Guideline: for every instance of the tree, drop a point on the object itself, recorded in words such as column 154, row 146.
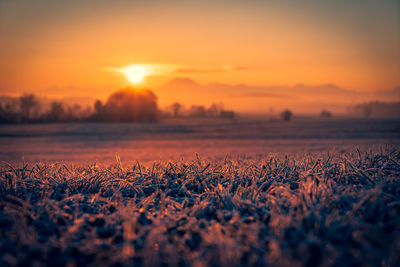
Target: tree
column 326, row 114
column 98, row 106
column 227, row 114
column 9, row 112
column 215, row 109
column 73, row 113
column 27, row 102
column 367, row 111
column 286, row 115
column 56, row 112
column 176, row 109
column 128, row 105
column 197, row 111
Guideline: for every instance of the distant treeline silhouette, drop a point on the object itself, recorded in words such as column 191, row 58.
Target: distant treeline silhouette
column 27, row 108
column 215, row 110
column 130, row 105
column 376, row 110
column 126, row 105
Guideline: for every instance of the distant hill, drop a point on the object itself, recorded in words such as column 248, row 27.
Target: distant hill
column 393, row 94
column 242, row 97
column 301, row 98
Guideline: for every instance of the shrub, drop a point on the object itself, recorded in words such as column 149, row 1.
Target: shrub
column 286, row 115
column 326, row 114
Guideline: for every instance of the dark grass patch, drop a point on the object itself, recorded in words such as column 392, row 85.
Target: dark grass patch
column 327, row 210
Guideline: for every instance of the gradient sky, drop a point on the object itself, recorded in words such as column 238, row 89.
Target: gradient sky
column 48, row 45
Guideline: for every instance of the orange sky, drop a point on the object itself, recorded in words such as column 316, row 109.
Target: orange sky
column 47, row 46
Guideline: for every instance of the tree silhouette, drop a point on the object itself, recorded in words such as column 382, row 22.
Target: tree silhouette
column 98, row 106
column 128, row 105
column 197, row 111
column 26, row 103
column 56, row 112
column 214, row 110
column 376, row 109
column 286, row 115
column 326, row 114
column 227, row 114
column 176, row 109
column 74, row 113
column 367, row 111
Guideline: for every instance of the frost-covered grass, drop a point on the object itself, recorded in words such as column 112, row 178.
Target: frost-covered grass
column 327, row 209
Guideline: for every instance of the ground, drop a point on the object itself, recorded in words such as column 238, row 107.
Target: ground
column 334, row 200
column 86, row 143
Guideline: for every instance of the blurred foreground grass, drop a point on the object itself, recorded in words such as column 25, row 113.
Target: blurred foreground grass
column 324, row 209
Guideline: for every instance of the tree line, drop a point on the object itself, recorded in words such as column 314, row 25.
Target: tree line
column 125, row 105
column 215, row 110
column 376, row 109
column 129, row 105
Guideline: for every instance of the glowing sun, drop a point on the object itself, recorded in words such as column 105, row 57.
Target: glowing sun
column 135, row 73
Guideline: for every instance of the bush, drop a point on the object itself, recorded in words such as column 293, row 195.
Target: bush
column 286, row 115
column 326, row 114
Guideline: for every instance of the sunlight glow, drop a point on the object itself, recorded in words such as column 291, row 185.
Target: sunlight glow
column 136, row 73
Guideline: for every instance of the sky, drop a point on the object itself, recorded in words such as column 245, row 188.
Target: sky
column 75, row 48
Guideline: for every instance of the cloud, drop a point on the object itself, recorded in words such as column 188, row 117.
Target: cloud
column 158, row 69
column 225, row 68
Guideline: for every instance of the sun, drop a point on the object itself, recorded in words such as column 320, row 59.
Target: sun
column 135, row 73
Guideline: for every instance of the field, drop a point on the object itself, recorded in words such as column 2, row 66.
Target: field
column 244, row 193
column 86, row 143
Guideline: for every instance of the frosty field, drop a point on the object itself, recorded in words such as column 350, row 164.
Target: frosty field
column 175, row 139
column 322, row 210
column 201, row 193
